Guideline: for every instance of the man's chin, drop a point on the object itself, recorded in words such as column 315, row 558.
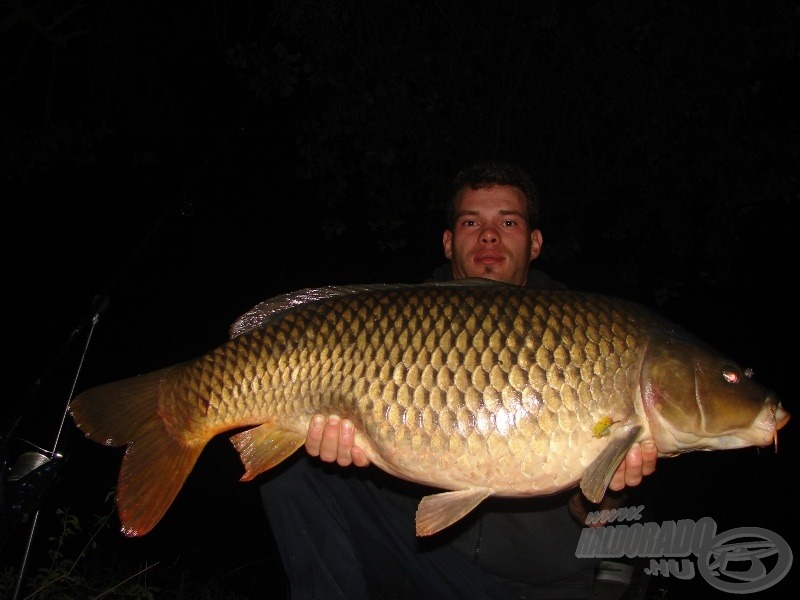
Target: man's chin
column 494, row 272
column 490, row 272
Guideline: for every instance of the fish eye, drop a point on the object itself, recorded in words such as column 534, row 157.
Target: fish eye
column 730, row 374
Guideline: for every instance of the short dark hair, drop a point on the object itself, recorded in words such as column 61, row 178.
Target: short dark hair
column 484, row 175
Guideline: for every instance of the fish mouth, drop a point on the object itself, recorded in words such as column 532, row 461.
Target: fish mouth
column 764, row 430
column 781, row 417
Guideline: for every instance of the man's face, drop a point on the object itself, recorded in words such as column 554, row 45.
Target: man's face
column 491, row 237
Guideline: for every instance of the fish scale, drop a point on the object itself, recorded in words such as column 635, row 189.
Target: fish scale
column 475, row 387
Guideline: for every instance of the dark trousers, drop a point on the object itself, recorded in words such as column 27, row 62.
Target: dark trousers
column 341, row 536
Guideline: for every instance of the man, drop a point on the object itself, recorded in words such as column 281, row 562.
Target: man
column 350, row 536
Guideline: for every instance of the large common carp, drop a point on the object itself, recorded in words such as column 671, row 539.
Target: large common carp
column 475, row 387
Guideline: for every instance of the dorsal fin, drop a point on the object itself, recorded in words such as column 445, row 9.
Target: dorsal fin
column 257, row 316
column 261, row 313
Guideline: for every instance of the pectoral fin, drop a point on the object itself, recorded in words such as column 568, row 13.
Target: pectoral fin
column 438, row 511
column 263, row 447
column 597, row 477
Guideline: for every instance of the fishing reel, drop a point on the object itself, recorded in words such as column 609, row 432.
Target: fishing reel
column 24, row 485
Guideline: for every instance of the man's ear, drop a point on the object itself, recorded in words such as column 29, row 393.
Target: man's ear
column 447, row 243
column 536, row 243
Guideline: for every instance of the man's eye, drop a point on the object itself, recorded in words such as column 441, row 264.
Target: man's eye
column 469, row 223
column 509, row 223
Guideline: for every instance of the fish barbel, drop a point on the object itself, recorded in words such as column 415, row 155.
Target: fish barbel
column 474, row 387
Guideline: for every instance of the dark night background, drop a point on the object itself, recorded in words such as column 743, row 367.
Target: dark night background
column 190, row 159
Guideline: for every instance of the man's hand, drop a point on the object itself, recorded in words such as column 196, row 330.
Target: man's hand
column 332, row 441
column 640, row 461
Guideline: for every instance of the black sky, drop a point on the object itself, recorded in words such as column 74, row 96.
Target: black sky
column 146, row 159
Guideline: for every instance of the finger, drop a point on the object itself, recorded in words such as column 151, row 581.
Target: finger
column 629, row 472
column 314, row 435
column 359, row 457
column 346, row 435
column 649, row 456
column 618, row 480
column 330, row 439
column 633, row 465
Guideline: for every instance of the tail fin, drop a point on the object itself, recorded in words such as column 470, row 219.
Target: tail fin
column 156, row 464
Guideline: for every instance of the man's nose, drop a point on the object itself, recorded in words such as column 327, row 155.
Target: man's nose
column 489, row 236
